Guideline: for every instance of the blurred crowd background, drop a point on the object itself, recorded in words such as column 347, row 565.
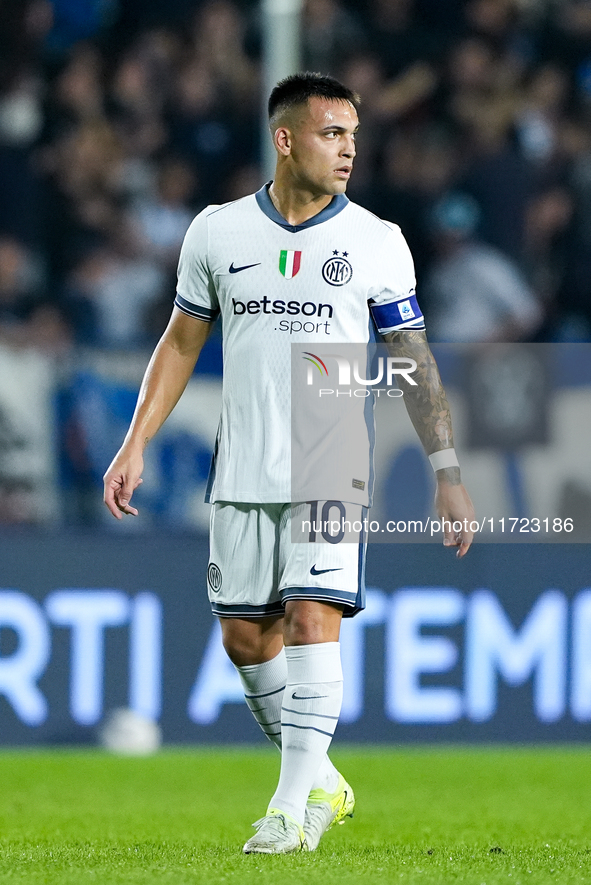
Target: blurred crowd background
column 121, row 119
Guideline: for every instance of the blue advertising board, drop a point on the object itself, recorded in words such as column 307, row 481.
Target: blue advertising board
column 495, row 647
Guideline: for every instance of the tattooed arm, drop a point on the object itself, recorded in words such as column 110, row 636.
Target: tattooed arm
column 428, row 409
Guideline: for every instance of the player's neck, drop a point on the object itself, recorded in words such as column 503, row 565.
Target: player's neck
column 295, row 205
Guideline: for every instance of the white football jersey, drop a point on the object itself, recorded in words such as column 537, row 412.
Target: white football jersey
column 335, row 279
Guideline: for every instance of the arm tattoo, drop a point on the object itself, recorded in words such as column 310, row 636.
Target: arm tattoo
column 426, row 403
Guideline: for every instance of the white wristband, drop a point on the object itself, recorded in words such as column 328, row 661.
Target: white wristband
column 444, row 458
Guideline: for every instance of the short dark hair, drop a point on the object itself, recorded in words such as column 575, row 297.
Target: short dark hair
column 298, row 88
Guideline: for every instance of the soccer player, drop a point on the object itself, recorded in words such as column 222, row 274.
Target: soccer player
column 297, row 261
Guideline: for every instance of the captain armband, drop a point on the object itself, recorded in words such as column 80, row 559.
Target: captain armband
column 402, row 314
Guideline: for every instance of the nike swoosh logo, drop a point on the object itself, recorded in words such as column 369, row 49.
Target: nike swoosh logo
column 244, row 267
column 309, row 697
column 322, row 571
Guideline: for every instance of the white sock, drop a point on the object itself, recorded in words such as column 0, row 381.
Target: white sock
column 311, row 707
column 327, row 777
column 263, row 686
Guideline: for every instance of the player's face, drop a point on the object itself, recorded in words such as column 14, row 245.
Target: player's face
column 323, row 146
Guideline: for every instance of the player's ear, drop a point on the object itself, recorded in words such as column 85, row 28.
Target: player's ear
column 282, row 140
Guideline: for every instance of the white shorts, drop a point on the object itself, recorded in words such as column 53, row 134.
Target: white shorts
column 255, row 565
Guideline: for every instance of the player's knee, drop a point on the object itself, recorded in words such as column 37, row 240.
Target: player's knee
column 238, row 648
column 246, row 643
column 307, row 623
column 301, row 633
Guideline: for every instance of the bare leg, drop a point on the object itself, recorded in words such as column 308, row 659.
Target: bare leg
column 255, row 647
column 252, row 641
column 308, row 622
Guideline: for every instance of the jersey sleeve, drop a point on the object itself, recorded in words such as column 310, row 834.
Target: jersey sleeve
column 393, row 301
column 196, row 295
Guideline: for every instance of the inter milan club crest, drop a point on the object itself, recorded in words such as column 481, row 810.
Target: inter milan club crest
column 289, row 263
column 337, row 270
column 214, row 577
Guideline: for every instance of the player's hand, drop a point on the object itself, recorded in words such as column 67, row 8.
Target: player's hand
column 453, row 504
column 120, row 482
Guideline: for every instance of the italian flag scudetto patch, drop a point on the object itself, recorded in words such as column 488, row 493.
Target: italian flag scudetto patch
column 289, row 263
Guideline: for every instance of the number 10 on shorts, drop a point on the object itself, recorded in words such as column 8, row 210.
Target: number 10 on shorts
column 331, row 522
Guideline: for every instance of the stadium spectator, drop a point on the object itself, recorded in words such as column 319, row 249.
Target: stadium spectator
column 161, row 220
column 21, row 284
column 493, row 95
column 330, row 33
column 112, row 289
column 474, row 292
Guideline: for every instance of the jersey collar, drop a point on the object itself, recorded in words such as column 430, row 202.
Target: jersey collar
column 336, row 205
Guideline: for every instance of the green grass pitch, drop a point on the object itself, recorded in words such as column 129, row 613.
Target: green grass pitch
column 424, row 815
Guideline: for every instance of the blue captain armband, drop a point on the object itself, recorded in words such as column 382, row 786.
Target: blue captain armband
column 402, row 314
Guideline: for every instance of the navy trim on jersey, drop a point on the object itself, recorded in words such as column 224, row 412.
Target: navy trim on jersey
column 336, row 205
column 196, row 310
column 212, row 465
column 404, row 313
column 247, row 611
column 353, row 602
column 361, row 568
column 369, row 417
